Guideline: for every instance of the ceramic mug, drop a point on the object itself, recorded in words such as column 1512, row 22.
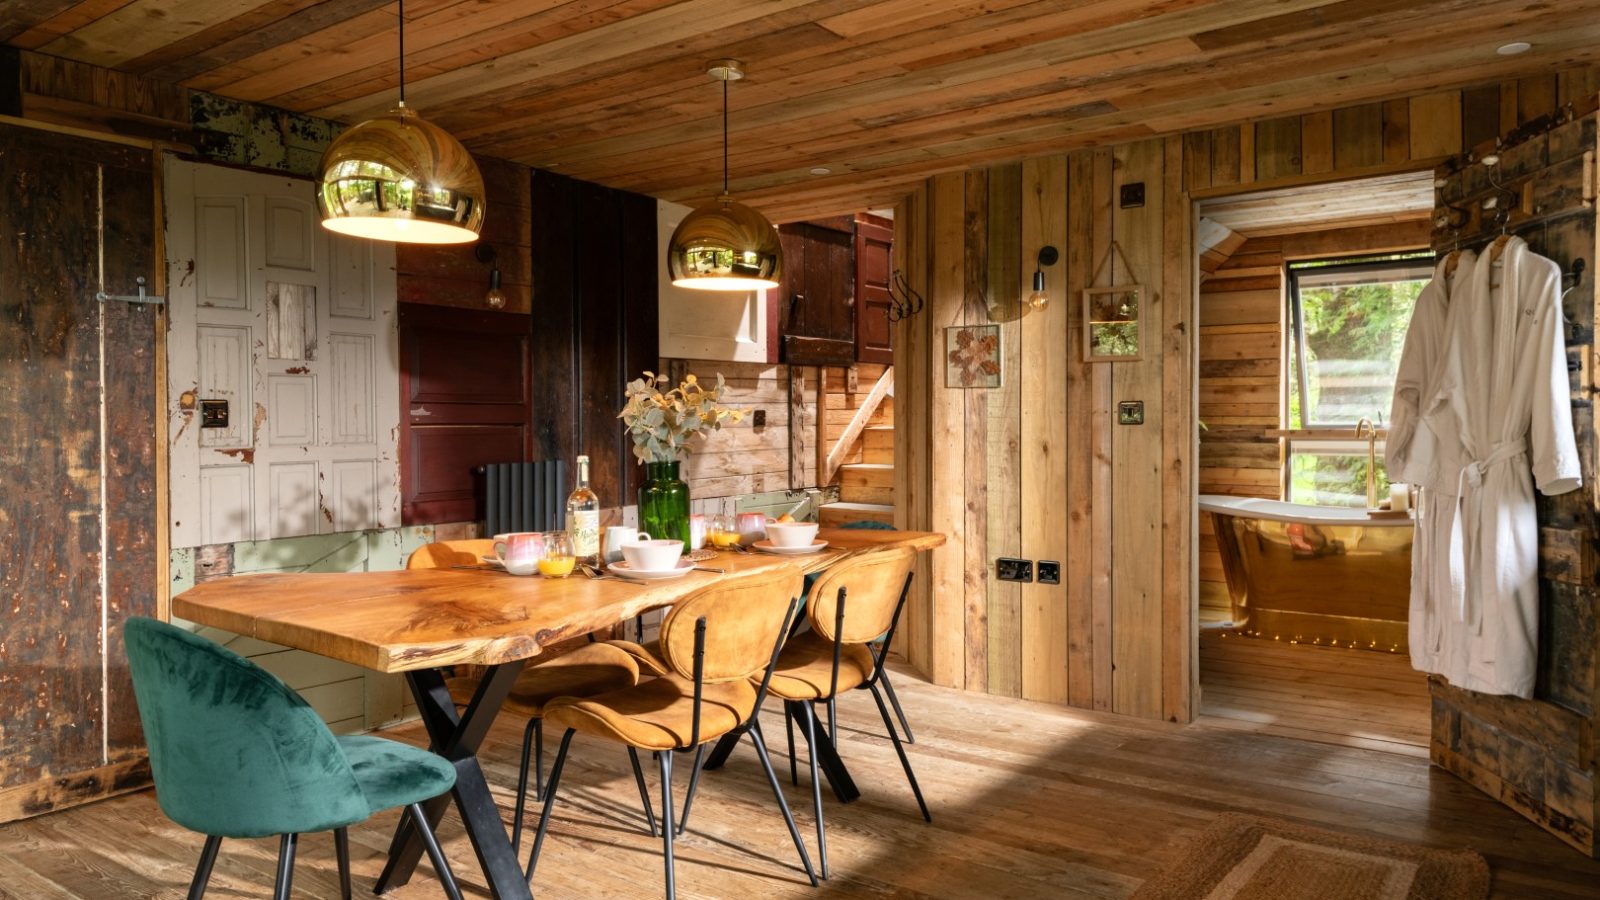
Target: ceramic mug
column 698, row 529
column 752, row 527
column 615, row 537
column 646, row 555
column 519, row 551
column 792, row 534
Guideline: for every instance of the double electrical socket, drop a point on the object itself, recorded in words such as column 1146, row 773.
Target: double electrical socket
column 1021, row 570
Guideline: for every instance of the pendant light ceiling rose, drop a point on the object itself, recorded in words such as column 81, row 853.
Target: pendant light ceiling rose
column 725, row 245
column 399, row 177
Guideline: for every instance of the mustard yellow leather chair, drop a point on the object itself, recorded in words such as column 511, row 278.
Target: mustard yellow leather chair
column 718, row 646
column 592, row 668
column 853, row 610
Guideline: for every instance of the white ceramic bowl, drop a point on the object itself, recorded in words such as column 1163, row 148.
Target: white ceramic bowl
column 652, row 556
column 792, row 534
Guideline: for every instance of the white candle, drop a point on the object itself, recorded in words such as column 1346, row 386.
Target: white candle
column 1399, row 497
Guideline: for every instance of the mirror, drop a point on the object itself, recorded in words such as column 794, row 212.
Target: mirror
column 1113, row 317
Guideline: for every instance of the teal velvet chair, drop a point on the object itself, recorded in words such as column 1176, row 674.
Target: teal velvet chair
column 235, row 753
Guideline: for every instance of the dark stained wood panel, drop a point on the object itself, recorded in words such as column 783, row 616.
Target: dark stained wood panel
column 77, row 423
column 883, row 92
column 594, row 323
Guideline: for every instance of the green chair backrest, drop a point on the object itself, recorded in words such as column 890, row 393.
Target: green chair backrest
column 234, row 751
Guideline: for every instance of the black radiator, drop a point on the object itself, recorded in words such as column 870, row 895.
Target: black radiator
column 525, row 496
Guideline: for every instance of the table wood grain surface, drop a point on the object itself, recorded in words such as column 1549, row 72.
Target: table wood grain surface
column 417, row 619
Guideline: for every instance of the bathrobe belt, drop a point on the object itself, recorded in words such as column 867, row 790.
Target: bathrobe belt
column 1468, row 606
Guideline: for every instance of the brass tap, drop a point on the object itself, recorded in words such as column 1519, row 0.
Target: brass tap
column 1365, row 429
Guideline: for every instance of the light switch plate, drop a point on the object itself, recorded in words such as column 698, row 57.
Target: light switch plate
column 1130, row 412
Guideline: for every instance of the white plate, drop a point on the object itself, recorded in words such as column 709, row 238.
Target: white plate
column 626, row 571
column 770, row 547
column 493, row 561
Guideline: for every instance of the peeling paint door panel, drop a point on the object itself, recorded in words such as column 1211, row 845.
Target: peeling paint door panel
column 294, row 328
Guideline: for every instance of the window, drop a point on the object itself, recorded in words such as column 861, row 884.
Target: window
column 1347, row 322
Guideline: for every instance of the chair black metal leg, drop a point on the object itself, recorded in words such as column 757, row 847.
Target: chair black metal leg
column 549, row 802
column 888, row 688
column 694, row 782
column 794, row 765
column 899, row 748
column 816, row 786
column 783, row 805
column 341, row 850
column 447, row 878
column 644, row 794
column 538, row 759
column 665, row 759
column 833, row 719
column 285, row 881
column 202, row 871
column 522, row 787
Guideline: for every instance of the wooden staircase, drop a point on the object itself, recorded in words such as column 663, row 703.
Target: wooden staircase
column 866, row 480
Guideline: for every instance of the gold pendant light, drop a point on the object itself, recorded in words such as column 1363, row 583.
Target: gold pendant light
column 723, row 245
column 401, row 178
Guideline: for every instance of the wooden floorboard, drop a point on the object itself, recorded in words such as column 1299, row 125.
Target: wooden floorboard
column 1028, row 799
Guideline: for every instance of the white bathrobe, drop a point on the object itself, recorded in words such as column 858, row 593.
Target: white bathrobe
column 1413, row 454
column 1501, row 393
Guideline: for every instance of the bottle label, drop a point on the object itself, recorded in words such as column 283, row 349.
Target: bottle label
column 585, row 529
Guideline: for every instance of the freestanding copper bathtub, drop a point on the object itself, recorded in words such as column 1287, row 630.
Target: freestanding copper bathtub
column 1314, row 574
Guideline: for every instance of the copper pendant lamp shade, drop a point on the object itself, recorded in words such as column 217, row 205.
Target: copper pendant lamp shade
column 724, row 245
column 399, row 177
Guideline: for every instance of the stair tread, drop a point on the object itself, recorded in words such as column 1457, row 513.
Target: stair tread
column 877, row 467
column 879, row 428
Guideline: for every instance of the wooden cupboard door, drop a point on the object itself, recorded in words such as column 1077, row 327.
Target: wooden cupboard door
column 294, row 328
column 466, row 381
column 78, row 484
column 874, row 269
column 818, row 294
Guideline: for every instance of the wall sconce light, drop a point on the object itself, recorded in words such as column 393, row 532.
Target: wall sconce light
column 495, row 297
column 1048, row 256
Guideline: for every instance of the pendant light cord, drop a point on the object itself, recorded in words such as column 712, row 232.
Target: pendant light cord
column 725, row 136
column 402, row 16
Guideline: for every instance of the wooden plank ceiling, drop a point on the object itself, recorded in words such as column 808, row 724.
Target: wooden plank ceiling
column 882, row 93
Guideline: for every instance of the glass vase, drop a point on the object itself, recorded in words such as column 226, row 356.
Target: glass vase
column 664, row 503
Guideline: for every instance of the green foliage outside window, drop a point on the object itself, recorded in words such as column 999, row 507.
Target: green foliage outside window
column 1354, row 330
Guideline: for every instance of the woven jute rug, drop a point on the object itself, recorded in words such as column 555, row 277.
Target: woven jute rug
column 1243, row 857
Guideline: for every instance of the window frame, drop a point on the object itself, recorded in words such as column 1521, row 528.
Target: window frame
column 1335, row 265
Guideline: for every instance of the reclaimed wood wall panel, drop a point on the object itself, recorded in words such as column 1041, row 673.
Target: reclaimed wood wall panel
column 1009, row 281
column 77, row 422
column 743, row 458
column 1537, row 755
column 1056, row 480
column 1044, row 428
column 914, row 360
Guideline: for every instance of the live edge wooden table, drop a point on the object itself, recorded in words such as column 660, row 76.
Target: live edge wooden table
column 417, row 622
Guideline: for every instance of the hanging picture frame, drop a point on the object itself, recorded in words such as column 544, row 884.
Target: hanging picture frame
column 1113, row 319
column 972, row 356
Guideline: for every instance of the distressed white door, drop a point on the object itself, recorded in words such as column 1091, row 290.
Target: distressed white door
column 294, row 329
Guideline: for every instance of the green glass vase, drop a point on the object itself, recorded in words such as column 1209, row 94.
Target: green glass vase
column 664, row 503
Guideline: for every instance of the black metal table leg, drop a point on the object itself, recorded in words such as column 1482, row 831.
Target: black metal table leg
column 457, row 738
column 844, row 787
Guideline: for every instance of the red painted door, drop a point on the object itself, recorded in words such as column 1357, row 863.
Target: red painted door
column 874, row 269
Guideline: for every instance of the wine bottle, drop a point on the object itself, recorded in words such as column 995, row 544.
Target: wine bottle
column 583, row 518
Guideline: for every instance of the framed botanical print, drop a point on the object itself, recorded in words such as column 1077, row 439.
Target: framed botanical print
column 972, row 356
column 1113, row 320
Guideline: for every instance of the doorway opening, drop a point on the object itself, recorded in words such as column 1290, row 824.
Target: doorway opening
column 1305, row 297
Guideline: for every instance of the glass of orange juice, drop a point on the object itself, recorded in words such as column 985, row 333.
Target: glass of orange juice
column 558, row 559
column 724, row 533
